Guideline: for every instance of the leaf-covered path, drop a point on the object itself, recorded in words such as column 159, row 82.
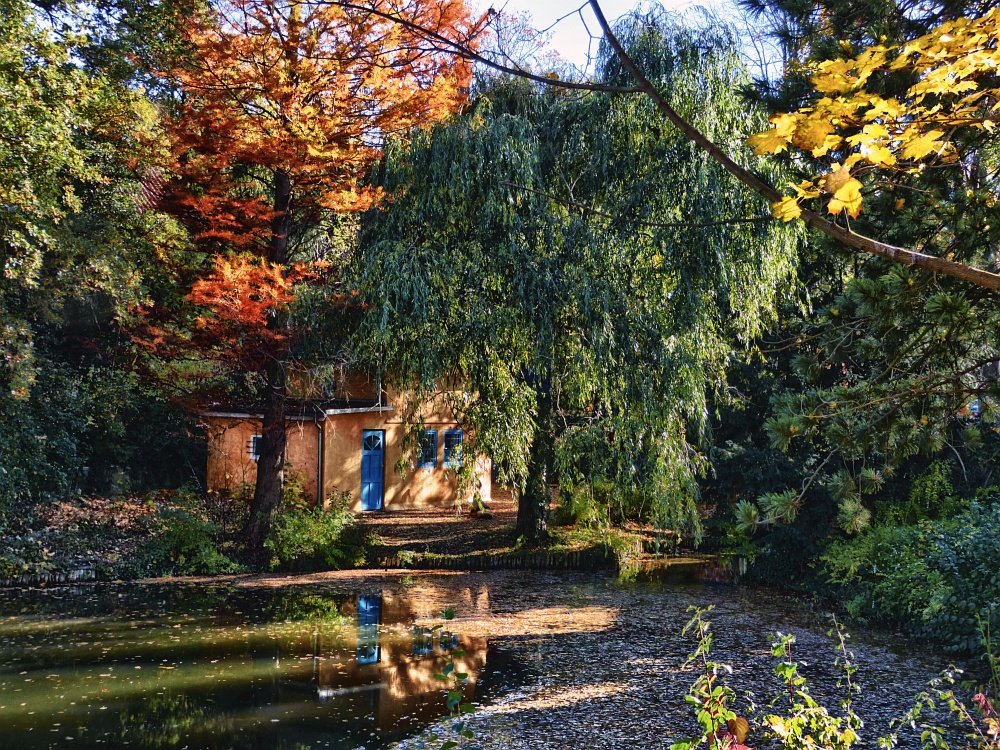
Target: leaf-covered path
column 442, row 531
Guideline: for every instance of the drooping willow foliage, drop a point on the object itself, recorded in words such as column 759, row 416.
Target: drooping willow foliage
column 582, row 269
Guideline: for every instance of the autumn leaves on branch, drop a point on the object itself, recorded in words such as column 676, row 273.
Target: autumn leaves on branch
column 284, row 108
column 859, row 131
column 307, row 90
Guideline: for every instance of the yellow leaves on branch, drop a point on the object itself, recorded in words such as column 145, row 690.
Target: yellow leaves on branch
column 846, row 191
column 862, row 132
column 786, row 209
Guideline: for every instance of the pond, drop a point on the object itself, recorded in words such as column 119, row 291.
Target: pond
column 347, row 660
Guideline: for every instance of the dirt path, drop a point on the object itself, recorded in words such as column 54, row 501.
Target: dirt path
column 442, row 531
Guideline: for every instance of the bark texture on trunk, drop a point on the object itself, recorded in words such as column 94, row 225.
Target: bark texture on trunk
column 533, row 502
column 268, row 491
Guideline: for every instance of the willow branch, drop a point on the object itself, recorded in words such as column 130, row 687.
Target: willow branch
column 849, row 238
column 640, row 222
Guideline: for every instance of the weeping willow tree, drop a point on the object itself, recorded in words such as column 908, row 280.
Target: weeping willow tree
column 584, row 271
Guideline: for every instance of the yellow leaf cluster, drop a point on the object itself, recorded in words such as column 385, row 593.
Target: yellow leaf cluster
column 954, row 66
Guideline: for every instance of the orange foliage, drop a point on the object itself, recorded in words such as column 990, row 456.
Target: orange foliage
column 237, row 299
column 307, row 89
column 298, row 93
column 241, row 293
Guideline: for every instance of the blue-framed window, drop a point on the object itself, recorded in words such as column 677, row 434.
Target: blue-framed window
column 453, row 440
column 428, row 450
column 256, row 443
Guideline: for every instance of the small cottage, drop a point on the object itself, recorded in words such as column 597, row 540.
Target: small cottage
column 353, row 443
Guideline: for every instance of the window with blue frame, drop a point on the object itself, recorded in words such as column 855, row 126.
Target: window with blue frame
column 453, row 448
column 428, row 450
column 256, row 443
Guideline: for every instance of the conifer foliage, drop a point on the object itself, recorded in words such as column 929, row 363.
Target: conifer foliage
column 285, row 105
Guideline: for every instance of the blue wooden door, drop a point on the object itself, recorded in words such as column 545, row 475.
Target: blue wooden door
column 372, row 469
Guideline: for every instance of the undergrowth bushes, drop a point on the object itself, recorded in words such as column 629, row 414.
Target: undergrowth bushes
column 184, row 540
column 941, row 577
column 180, row 532
column 303, row 538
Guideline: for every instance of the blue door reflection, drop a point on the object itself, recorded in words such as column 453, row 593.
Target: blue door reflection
column 369, row 618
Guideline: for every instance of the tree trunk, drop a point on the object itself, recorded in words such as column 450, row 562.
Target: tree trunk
column 532, row 505
column 269, row 489
column 281, row 222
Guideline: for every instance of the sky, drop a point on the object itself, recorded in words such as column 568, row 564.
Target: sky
column 570, row 37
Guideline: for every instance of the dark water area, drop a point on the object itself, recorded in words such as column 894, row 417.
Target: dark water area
column 206, row 666
column 348, row 661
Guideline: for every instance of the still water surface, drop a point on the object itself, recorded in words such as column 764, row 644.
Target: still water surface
column 344, row 662
column 219, row 667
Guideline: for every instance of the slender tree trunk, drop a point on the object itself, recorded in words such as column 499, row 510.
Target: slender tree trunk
column 281, row 222
column 532, row 505
column 269, row 489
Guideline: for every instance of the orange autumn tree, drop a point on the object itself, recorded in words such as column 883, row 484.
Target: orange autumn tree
column 283, row 107
column 237, row 300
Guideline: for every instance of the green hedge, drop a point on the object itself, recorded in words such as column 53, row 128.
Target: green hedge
column 942, row 577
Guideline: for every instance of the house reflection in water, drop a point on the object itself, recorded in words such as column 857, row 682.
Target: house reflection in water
column 369, row 618
column 423, row 641
column 387, row 673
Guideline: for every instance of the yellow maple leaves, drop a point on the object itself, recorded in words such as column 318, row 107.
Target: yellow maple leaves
column 861, row 132
column 846, row 192
column 786, row 209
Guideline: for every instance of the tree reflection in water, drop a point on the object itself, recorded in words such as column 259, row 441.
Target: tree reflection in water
column 267, row 670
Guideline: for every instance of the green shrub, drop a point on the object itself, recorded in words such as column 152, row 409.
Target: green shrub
column 183, row 541
column 602, row 503
column 931, row 496
column 307, row 539
column 941, row 577
column 29, row 554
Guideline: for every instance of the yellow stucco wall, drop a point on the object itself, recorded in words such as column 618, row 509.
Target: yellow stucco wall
column 230, row 465
column 415, row 488
column 229, row 462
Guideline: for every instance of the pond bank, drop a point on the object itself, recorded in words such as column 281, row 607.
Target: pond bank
column 346, row 659
column 620, row 681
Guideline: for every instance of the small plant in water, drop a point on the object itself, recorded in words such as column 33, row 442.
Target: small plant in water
column 457, row 707
column 808, row 725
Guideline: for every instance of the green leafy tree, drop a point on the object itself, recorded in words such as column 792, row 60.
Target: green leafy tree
column 79, row 249
column 71, row 150
column 580, row 271
column 891, row 364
